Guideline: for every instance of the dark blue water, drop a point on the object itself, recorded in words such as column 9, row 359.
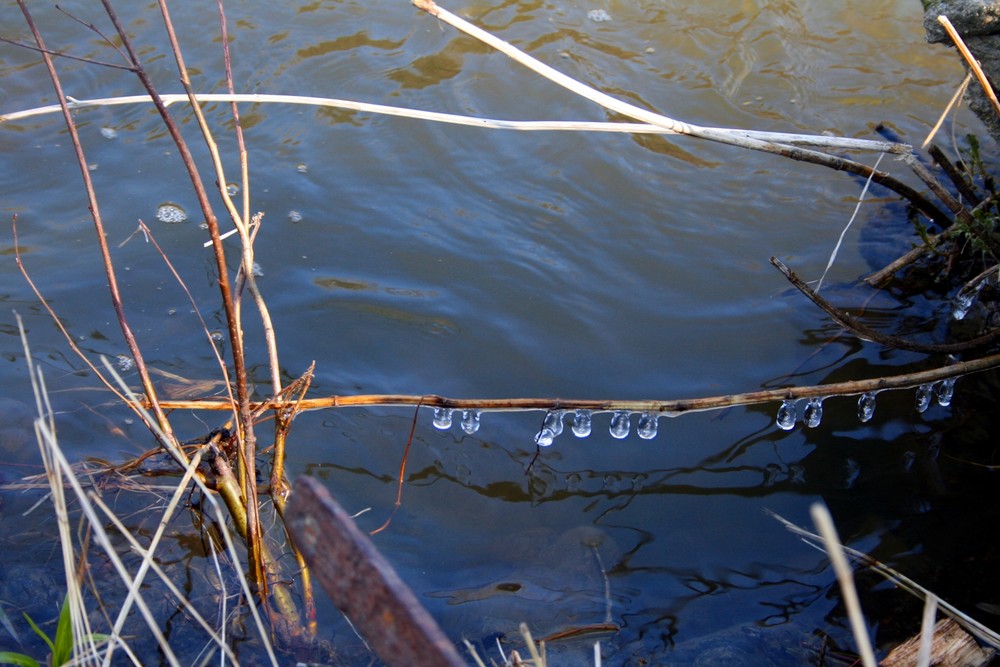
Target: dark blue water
column 409, row 257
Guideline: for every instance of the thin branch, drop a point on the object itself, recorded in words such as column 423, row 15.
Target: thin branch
column 845, row 143
column 669, row 407
column 116, row 299
column 68, row 56
column 867, row 333
column 972, row 62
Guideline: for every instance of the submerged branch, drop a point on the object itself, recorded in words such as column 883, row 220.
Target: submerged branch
column 867, row 333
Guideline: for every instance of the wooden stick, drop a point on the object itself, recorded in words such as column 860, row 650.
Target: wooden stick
column 846, row 143
column 669, row 407
column 972, row 62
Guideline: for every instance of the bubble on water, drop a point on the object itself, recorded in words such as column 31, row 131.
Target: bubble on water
column 620, row 424
column 232, row 189
column 442, row 418
column 924, row 393
column 302, row 167
column 944, row 391
column 646, row 428
column 125, row 363
column 866, row 406
column 813, row 413
column 554, row 422
column 470, row 421
column 217, row 336
column 294, row 216
column 598, row 15
column 170, row 213
column 786, row 415
column 109, row 133
column 582, row 423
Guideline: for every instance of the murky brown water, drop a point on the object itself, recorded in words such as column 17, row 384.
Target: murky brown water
column 409, row 257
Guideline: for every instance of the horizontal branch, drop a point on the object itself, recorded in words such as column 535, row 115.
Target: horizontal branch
column 668, row 408
column 845, row 143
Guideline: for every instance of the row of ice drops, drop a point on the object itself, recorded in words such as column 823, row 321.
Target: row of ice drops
column 552, row 425
column 942, row 392
column 621, row 424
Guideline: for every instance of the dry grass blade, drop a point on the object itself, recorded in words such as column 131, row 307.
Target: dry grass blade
column 971, row 61
column 983, row 633
column 824, row 523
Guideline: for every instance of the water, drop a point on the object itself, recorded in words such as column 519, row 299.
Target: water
column 407, row 257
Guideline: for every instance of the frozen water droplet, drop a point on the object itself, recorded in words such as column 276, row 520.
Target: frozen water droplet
column 170, row 213
column 786, row 415
column 554, row 422
column 924, row 394
column 944, row 392
column 125, row 363
column 442, row 418
column 582, row 423
column 964, row 300
column 470, row 421
column 544, row 438
column 109, row 133
column 620, row 424
column 646, row 428
column 598, row 15
column 813, row 414
column 866, row 406
column 294, row 216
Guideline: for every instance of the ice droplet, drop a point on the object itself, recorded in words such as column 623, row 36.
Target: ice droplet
column 582, row 423
column 646, row 428
column 944, row 392
column 470, row 421
column 620, row 424
column 553, row 422
column 866, row 406
column 442, row 418
column 964, row 299
column 924, row 394
column 544, row 438
column 786, row 415
column 170, row 213
column 813, row 414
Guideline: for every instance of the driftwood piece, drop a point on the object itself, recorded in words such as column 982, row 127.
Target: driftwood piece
column 952, row 647
column 362, row 583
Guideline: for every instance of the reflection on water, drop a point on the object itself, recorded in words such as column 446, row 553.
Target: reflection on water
column 408, row 257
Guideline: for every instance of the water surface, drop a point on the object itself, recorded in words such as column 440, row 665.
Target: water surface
column 410, row 257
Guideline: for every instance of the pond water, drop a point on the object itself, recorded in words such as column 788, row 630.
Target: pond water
column 405, row 256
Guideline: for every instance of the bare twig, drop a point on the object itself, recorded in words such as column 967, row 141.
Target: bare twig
column 667, row 407
column 867, row 333
column 116, row 299
column 971, row 61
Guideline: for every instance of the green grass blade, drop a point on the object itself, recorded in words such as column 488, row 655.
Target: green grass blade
column 11, row 658
column 38, row 631
column 62, row 652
